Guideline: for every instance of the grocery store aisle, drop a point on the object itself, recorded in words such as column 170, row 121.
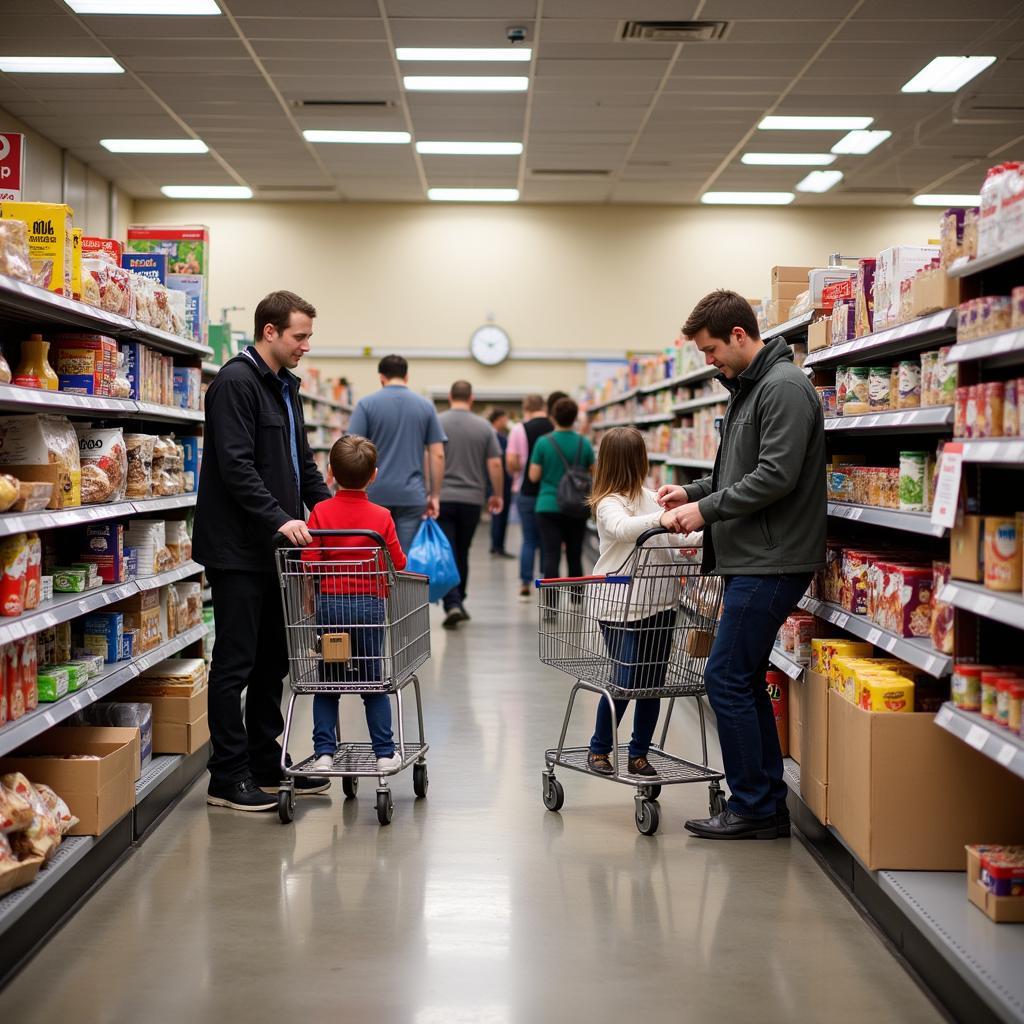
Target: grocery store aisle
column 476, row 906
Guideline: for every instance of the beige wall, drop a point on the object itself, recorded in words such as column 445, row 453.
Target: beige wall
column 598, row 280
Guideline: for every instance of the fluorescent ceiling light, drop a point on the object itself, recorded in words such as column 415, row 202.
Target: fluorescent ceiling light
column 779, row 123
column 819, row 181
column 747, row 198
column 365, row 138
column 207, row 192
column 143, row 6
column 858, row 143
column 470, row 148
column 154, row 145
column 61, row 65
column 473, row 195
column 788, row 159
column 466, row 83
column 947, row 74
column 461, row 53
column 947, row 200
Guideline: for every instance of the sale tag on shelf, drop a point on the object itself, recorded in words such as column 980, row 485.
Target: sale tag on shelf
column 947, row 492
column 1006, row 754
column 976, row 737
column 874, row 635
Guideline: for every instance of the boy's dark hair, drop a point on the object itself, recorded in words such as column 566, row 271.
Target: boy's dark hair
column 553, row 399
column 353, row 460
column 495, row 414
column 276, row 309
column 565, row 412
column 720, row 311
column 393, row 367
column 461, row 391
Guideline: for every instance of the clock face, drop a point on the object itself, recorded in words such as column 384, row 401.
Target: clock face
column 490, row 345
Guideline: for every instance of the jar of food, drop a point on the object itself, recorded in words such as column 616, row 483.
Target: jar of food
column 960, row 412
column 858, row 390
column 976, row 426
column 927, row 378
column 879, row 379
column 1003, row 687
column 989, row 694
column 1016, row 705
column 1011, row 421
column 966, row 686
column 908, row 373
column 993, row 402
column 34, row 370
column 1002, row 554
column 913, row 482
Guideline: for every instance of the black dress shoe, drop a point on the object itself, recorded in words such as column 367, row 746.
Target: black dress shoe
column 308, row 785
column 243, row 795
column 731, row 826
column 641, row 766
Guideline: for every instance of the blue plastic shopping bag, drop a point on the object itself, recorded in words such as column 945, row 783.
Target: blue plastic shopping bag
column 432, row 555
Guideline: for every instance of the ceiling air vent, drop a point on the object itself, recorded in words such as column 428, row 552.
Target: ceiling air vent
column 673, row 31
column 555, row 172
column 347, row 104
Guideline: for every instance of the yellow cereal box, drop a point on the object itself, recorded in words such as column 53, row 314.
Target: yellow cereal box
column 828, row 649
column 76, row 263
column 50, row 244
column 890, row 693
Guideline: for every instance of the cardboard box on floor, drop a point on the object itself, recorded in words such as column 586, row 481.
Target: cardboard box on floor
column 180, row 724
column 1002, row 909
column 814, row 745
column 907, row 795
column 98, row 792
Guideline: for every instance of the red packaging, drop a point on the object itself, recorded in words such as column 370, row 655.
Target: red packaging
column 778, row 691
column 29, row 671
column 960, row 413
column 836, row 291
column 15, row 691
column 906, row 601
column 3, row 687
column 13, row 568
column 92, row 246
column 33, row 571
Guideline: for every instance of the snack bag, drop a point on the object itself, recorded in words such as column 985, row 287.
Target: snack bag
column 33, row 571
column 139, row 448
column 104, row 465
column 66, row 821
column 43, row 449
column 15, row 811
column 13, row 574
column 42, row 837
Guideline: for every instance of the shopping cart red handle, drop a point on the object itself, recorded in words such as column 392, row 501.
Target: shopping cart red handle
column 559, row 581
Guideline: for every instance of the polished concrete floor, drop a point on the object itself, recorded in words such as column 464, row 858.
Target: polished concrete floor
column 476, row 905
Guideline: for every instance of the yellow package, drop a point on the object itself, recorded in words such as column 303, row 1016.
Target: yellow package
column 842, row 668
column 828, row 649
column 846, row 675
column 76, row 263
column 887, row 693
column 50, row 228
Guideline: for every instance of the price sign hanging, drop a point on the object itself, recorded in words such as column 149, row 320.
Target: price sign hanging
column 947, row 491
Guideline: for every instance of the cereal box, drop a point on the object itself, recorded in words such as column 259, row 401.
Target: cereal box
column 887, row 692
column 50, row 241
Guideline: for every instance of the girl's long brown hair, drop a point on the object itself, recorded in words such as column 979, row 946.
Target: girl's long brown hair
column 621, row 465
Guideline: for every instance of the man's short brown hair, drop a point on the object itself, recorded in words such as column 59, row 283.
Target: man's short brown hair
column 353, row 460
column 461, row 391
column 719, row 312
column 533, row 403
column 276, row 309
column 565, row 412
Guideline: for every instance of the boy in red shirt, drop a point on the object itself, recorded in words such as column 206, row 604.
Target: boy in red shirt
column 351, row 597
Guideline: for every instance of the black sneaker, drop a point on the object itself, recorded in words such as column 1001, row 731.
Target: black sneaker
column 452, row 618
column 464, row 616
column 600, row 763
column 524, row 592
column 240, row 796
column 305, row 785
column 641, row 766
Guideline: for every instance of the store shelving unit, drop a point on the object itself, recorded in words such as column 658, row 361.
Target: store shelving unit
column 976, row 266
column 888, row 518
column 791, row 329
column 984, row 736
column 1008, row 452
column 893, row 341
column 34, row 400
column 688, row 463
column 1006, row 347
column 996, row 605
column 936, row 418
column 701, row 403
column 784, row 663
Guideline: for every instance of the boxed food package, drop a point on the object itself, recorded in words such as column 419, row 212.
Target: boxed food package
column 177, row 690
column 966, row 549
column 932, row 290
column 790, row 275
column 193, row 447
column 76, row 263
column 896, row 264
column 819, row 334
column 85, row 363
column 942, row 611
column 152, row 265
column 187, row 248
column 874, row 760
column 50, row 227
column 796, row 718
column 864, row 297
column 103, row 545
column 93, row 769
column 819, row 280
column 141, row 612
column 814, row 740
column 43, row 449
column 107, row 248
column 995, row 881
column 101, row 634
column 193, row 288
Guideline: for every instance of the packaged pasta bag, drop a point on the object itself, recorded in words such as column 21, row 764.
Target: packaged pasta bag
column 43, row 449
column 15, row 811
column 104, row 462
column 58, row 808
column 42, row 837
column 139, row 448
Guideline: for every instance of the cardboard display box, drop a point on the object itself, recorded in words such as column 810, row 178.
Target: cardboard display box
column 784, row 291
column 98, row 792
column 932, row 290
column 790, row 275
column 814, row 745
column 966, row 549
column 181, row 738
column 180, row 725
column 907, row 795
column 819, row 334
column 1002, row 909
column 796, row 721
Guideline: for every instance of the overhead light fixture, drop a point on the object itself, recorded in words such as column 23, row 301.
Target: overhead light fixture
column 473, row 195
column 747, row 198
column 465, row 83
column 364, row 138
column 61, row 66
column 819, row 181
column 461, row 53
column 154, row 145
column 859, row 143
column 785, row 123
column 947, row 74
column 469, row 148
column 788, row 159
column 178, row 7
column 947, row 200
column 207, row 191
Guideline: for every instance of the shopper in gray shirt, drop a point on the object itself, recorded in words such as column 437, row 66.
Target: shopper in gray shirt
column 472, row 455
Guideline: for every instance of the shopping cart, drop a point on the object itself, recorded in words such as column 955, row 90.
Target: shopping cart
column 354, row 626
column 643, row 633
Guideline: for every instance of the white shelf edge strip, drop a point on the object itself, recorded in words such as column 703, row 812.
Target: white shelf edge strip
column 985, row 737
column 923, row 326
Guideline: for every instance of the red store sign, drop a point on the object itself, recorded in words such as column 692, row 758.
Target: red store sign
column 12, row 166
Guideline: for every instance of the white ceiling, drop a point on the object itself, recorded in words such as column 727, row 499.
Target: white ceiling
column 659, row 123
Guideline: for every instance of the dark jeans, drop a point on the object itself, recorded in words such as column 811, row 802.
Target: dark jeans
column 250, row 652
column 407, row 521
column 499, row 522
column 640, row 650
column 459, row 520
column 349, row 612
column 526, row 503
column 753, row 610
column 556, row 530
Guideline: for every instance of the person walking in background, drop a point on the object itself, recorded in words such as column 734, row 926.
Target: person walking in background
column 552, row 457
column 763, row 512
column 257, row 478
column 473, row 457
column 521, row 441
column 498, row 419
column 410, row 444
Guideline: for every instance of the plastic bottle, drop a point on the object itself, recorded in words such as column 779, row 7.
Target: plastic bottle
column 35, row 370
column 1011, row 206
column 988, row 218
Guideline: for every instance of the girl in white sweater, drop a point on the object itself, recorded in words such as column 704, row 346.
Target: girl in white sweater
column 638, row 639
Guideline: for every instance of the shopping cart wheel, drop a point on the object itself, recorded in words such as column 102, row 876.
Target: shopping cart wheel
column 419, row 779
column 554, row 795
column 350, row 787
column 716, row 802
column 286, row 805
column 385, row 806
column 648, row 817
column 651, row 792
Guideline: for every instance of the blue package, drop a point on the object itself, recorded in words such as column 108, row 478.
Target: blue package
column 193, row 457
column 181, row 387
column 106, row 626
column 77, row 383
column 127, row 646
column 133, row 366
column 149, row 264
column 131, row 564
column 195, row 306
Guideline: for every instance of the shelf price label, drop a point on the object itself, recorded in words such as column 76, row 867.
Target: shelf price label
column 874, row 635
column 944, row 717
column 983, row 605
column 1006, row 754
column 947, row 492
column 976, row 737
column 890, row 643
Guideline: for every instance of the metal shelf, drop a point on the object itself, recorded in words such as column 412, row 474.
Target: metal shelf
column 656, row 457
column 1007, row 608
column 985, row 737
column 693, row 377
column 35, row 400
column 24, row 522
column 700, row 403
column 651, row 418
column 1009, row 452
column 211, row 369
column 797, row 325
column 931, row 418
column 909, row 337
column 913, row 650
column 16, row 904
column 155, row 772
column 161, row 579
column 976, row 266
column 1007, row 347
column 891, row 518
column 154, row 411
column 329, row 402
column 165, row 504
column 624, row 397
column 784, row 663
column 690, row 463
column 62, row 608
column 169, row 342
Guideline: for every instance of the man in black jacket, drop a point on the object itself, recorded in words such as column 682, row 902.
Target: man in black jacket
column 258, row 475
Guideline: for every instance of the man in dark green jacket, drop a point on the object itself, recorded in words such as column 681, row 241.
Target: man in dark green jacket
column 763, row 515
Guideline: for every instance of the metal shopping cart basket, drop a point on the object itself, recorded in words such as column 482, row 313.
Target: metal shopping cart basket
column 643, row 633
column 354, row 626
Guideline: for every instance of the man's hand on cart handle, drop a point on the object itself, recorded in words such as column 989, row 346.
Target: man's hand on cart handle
column 295, row 530
column 671, row 496
column 684, row 519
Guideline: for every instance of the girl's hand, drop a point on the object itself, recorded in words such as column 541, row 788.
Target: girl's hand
column 671, row 496
column 668, row 520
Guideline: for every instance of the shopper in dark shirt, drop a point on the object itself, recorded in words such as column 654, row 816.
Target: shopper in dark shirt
column 499, row 522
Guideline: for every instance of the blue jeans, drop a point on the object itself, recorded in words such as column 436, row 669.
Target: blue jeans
column 349, row 612
column 640, row 651
column 526, row 504
column 407, row 521
column 753, row 610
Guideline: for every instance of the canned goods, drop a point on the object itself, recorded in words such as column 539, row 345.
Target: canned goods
column 966, row 686
column 960, row 413
column 1002, row 553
